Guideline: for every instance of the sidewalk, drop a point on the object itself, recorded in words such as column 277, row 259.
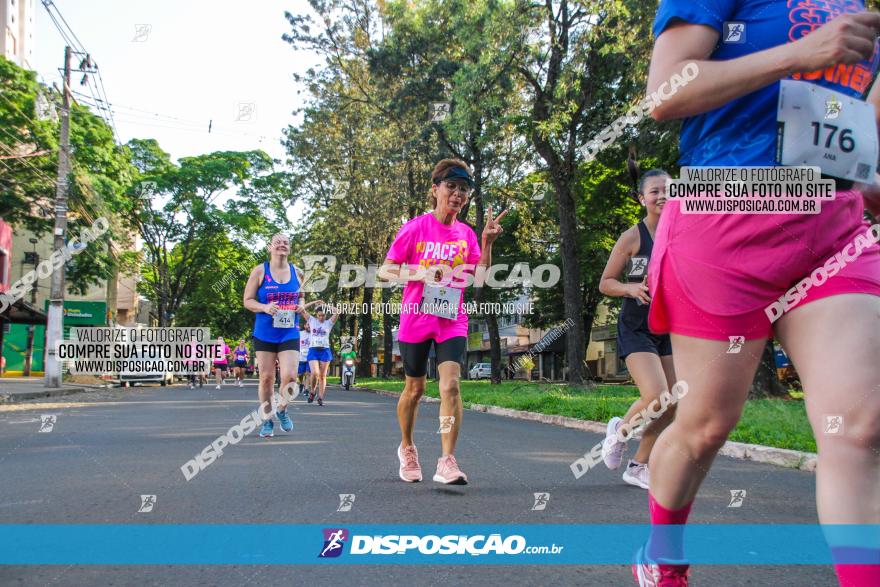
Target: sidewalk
column 17, row 389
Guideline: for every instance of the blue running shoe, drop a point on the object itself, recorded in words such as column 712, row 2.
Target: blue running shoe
column 286, row 424
column 267, row 430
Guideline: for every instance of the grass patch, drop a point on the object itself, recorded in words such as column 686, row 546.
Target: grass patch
column 771, row 422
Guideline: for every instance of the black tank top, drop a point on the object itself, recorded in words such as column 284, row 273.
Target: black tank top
column 633, row 313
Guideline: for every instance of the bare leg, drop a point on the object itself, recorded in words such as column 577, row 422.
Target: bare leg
column 835, row 343
column 322, row 377
column 718, row 385
column 287, row 362
column 450, row 403
column 313, row 376
column 265, row 388
column 408, row 407
column 653, row 375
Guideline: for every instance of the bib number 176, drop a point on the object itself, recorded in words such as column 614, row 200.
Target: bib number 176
column 845, row 140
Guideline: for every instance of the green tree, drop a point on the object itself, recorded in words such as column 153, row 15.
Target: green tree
column 182, row 228
column 583, row 60
column 100, row 170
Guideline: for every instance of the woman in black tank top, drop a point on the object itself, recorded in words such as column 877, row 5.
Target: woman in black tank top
column 648, row 356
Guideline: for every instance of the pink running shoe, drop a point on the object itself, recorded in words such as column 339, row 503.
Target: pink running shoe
column 448, row 472
column 410, row 470
column 650, row 574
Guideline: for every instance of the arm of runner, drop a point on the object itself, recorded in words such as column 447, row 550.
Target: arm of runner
column 874, row 98
column 300, row 276
column 250, row 293
column 491, row 231
column 847, row 39
column 302, row 309
column 609, row 284
column 334, row 314
column 871, row 195
column 871, row 192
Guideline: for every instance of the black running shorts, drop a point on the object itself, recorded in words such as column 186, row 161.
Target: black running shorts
column 275, row 347
column 415, row 354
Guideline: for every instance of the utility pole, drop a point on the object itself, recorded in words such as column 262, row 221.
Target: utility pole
column 54, row 326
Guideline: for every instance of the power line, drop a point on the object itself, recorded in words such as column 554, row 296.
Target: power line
column 199, row 125
column 48, row 3
column 25, row 161
column 117, row 107
column 98, row 91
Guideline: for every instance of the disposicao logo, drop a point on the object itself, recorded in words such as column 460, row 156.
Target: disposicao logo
column 334, row 540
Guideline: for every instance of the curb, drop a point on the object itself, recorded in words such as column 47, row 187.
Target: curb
column 11, row 398
column 781, row 457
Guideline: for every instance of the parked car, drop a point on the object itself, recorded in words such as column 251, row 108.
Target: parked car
column 128, row 379
column 480, row 371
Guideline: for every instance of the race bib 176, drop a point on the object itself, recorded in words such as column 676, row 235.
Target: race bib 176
column 823, row 128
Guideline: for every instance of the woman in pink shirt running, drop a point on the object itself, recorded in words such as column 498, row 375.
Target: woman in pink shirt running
column 433, row 315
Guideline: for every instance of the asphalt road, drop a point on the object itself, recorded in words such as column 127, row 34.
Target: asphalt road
column 109, row 447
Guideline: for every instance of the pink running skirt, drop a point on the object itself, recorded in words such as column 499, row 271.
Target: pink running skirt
column 714, row 276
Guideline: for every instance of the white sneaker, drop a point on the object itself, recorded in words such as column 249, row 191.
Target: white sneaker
column 191, row 386
column 218, row 387
column 637, row 474
column 612, row 449
column 239, row 382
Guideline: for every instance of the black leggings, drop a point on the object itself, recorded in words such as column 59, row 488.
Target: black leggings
column 415, row 354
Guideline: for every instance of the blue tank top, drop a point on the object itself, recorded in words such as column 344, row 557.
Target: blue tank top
column 287, row 296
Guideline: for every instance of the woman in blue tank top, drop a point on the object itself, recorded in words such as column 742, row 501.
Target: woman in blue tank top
column 273, row 293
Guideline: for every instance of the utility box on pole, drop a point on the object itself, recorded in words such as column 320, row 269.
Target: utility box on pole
column 54, row 325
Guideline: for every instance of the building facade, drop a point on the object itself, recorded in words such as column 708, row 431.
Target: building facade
column 109, row 302
column 17, row 40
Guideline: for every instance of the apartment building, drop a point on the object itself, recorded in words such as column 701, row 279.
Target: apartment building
column 17, row 40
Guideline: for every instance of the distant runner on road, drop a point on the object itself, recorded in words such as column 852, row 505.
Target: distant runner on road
column 320, row 353
column 274, row 294
column 240, row 356
column 303, row 373
column 221, row 361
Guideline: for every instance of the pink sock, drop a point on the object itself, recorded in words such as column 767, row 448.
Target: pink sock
column 661, row 515
column 666, row 543
column 857, row 575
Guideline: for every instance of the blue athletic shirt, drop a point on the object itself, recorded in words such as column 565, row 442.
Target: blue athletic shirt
column 287, row 296
column 743, row 131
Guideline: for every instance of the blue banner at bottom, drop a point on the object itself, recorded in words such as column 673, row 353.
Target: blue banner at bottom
column 703, row 544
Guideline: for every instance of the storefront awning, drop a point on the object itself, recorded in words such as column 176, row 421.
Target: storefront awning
column 21, row 312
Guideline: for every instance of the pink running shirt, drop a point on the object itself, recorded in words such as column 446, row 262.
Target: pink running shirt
column 425, row 241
